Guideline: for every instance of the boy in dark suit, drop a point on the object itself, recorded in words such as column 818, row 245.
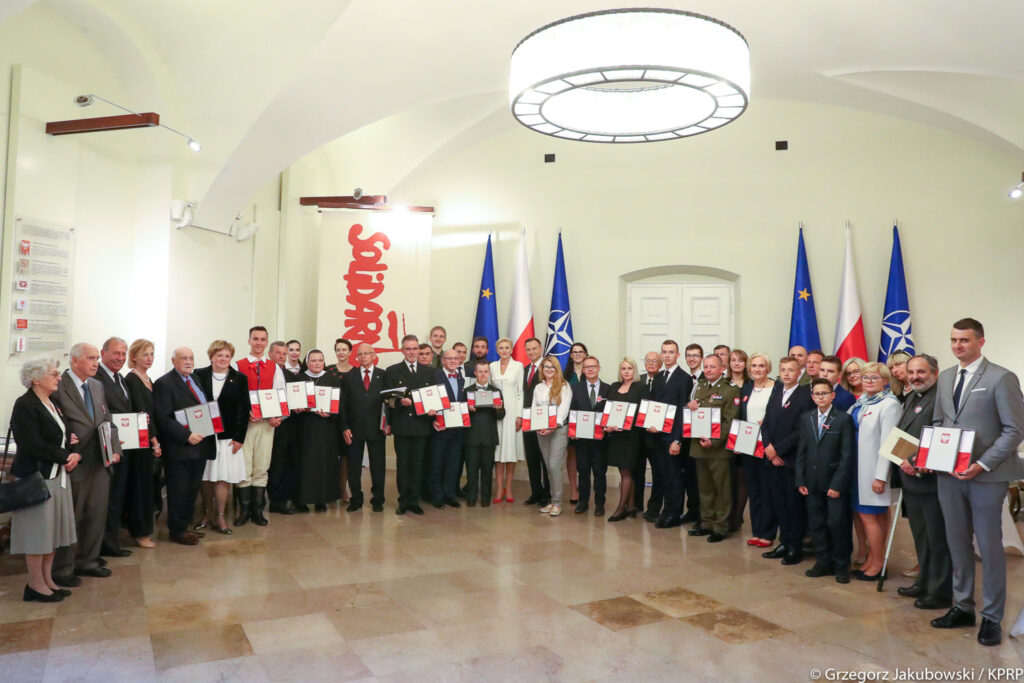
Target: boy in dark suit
column 824, row 464
column 481, row 439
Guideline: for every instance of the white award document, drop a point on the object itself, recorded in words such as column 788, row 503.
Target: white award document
column 203, row 419
column 702, row 423
column 430, row 398
column 267, row 403
column 481, row 399
column 584, row 424
column 618, row 415
column 898, row 446
column 656, row 415
column 456, row 417
column 132, row 429
column 328, row 399
column 944, row 449
column 301, row 395
column 745, row 438
column 540, row 417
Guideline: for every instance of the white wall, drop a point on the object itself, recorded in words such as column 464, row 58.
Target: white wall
column 728, row 200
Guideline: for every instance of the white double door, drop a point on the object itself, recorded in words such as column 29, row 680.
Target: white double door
column 687, row 313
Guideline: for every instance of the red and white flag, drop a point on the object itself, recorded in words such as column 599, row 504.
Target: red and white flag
column 520, row 318
column 849, row 340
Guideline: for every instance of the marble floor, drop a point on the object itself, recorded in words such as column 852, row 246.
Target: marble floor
column 475, row 594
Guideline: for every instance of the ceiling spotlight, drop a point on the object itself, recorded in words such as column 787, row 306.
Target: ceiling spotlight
column 194, row 145
column 1016, row 192
column 83, row 100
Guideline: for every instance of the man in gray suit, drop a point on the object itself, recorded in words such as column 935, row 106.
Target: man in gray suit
column 986, row 398
column 81, row 399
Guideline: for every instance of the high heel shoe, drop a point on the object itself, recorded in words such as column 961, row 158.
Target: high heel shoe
column 31, row 595
column 618, row 516
column 497, row 500
column 509, row 499
column 633, row 513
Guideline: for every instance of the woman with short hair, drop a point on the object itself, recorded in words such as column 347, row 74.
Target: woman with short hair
column 507, row 375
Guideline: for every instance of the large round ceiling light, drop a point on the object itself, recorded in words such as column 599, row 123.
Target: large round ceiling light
column 630, row 75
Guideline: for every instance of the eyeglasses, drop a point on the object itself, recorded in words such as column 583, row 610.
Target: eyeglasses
column 591, row 367
column 577, row 352
column 871, row 378
column 693, row 355
column 820, row 394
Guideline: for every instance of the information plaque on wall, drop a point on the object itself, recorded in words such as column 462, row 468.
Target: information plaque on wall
column 42, row 271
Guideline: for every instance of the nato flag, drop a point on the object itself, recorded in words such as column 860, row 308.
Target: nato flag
column 896, row 332
column 803, row 325
column 487, row 307
column 559, row 340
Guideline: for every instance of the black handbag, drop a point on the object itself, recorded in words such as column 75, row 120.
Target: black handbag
column 20, row 493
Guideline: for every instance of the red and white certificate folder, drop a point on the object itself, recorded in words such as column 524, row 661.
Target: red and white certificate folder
column 203, row 419
column 656, row 415
column 618, row 415
column 540, row 417
column 702, row 423
column 301, row 395
column 745, row 438
column 484, row 399
column 455, row 417
column 430, row 398
column 267, row 403
column 584, row 424
column 944, row 449
column 132, row 429
column 328, row 399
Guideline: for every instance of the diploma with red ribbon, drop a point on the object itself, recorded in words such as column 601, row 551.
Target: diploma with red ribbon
column 430, row 398
column 132, row 429
column 455, row 417
column 584, row 424
column 702, row 423
column 268, row 403
column 301, row 395
column 945, row 449
column 328, row 399
column 540, row 417
column 656, row 415
column 618, row 415
column 203, row 419
column 745, row 437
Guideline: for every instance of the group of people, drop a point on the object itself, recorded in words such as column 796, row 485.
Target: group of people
column 821, row 424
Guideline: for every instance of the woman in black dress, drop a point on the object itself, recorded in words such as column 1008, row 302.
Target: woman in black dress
column 343, row 350
column 142, row 491
column 322, row 442
column 624, row 445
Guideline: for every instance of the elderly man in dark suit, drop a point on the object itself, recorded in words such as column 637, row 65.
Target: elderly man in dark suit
column 185, row 452
column 934, row 586
column 985, row 398
column 113, row 354
column 82, row 400
column 363, row 405
column 591, row 454
column 411, row 430
column 447, row 444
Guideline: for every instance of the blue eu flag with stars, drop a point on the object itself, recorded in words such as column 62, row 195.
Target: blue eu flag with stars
column 559, row 340
column 896, row 331
column 803, row 325
column 487, row 307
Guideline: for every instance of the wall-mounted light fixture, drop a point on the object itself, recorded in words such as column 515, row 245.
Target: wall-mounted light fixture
column 1016, row 192
column 121, row 122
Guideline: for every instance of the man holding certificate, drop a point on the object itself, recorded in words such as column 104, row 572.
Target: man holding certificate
column 411, row 430
column 591, row 454
column 113, row 354
column 985, row 398
column 714, row 466
column 672, row 387
column 446, row 444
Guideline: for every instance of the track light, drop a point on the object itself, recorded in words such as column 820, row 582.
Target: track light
column 1016, row 192
column 86, row 100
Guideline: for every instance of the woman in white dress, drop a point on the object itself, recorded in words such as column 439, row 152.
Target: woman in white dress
column 507, row 375
column 875, row 413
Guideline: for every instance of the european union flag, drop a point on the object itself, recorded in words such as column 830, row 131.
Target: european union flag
column 803, row 325
column 487, row 306
column 559, row 340
column 896, row 331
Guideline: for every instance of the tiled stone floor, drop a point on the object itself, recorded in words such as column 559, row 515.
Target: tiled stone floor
column 474, row 594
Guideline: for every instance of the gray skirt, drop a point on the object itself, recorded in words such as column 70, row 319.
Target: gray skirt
column 41, row 529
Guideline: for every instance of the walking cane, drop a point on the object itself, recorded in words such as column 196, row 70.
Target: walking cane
column 888, row 546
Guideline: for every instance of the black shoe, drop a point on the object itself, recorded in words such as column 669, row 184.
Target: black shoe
column 793, row 557
column 416, row 510
column 580, row 509
column 842, row 575
column 453, row 503
column 63, row 592
column 71, row 581
column 101, row 561
column 619, row 517
column 914, row 591
column 932, row 602
column 485, row 503
column 115, row 552
column 31, row 595
column 532, row 500
column 690, row 517
column 471, row 503
column 861, row 576
column 953, row 618
column 378, row 507
column 400, row 510
column 439, row 505
column 244, row 497
column 715, row 537
column 599, row 510
column 319, row 508
column 698, row 530
column 820, row 570
column 990, row 633
column 667, row 523
column 776, row 552
column 299, row 508
column 353, row 506
column 95, row 572
column 574, row 501
column 285, row 508
column 651, row 517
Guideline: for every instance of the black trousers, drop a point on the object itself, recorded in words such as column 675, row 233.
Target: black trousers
column 785, row 503
column 646, row 455
column 139, row 502
column 426, row 492
column 764, row 508
column 828, row 520
column 377, row 455
column 677, row 472
column 690, row 487
column 115, row 502
column 446, row 452
column 285, row 464
column 540, row 488
column 480, row 472
column 592, row 461
column 929, row 530
column 410, row 451
column 183, row 479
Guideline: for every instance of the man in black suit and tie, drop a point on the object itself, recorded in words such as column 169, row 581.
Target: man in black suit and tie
column 81, row 398
column 652, row 366
column 446, row 444
column 780, row 434
column 934, row 585
column 185, row 452
column 824, row 464
column 411, row 430
column 363, row 407
column 673, row 386
column 113, row 354
column 591, row 454
column 540, row 489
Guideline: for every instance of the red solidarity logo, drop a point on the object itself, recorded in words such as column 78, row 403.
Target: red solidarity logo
column 365, row 282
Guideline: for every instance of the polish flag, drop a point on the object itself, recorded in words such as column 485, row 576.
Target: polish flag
column 520, row 319
column 849, row 340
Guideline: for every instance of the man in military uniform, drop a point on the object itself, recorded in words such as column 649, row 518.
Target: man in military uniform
column 713, row 461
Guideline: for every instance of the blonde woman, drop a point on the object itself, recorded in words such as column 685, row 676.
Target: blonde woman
column 553, row 390
column 507, row 375
column 624, row 446
column 850, row 377
column 897, row 364
column 754, row 398
column 143, row 497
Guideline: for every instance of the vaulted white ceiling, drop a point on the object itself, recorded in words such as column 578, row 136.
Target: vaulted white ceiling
column 263, row 83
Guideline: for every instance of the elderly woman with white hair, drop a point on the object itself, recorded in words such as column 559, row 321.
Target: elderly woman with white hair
column 43, row 441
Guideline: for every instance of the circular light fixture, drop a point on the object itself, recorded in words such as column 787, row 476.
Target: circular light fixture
column 630, row 75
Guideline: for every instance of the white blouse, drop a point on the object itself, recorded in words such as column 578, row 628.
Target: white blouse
column 218, row 384
column 540, row 398
column 757, row 404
